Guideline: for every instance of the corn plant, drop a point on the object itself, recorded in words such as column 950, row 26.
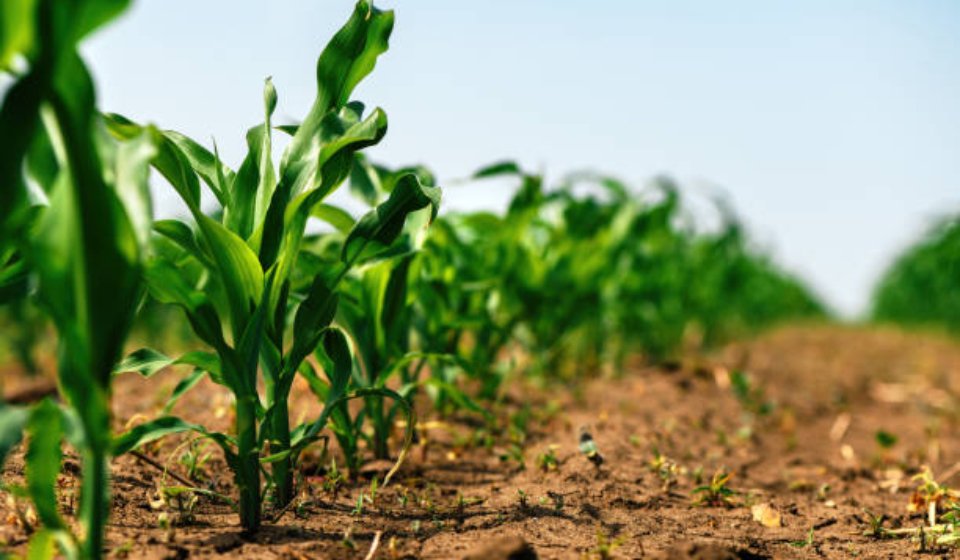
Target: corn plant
column 376, row 311
column 77, row 221
column 239, row 270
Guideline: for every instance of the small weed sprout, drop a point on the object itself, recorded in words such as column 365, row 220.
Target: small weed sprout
column 557, row 500
column 195, row 458
column 665, row 469
column 805, row 543
column 547, row 461
column 514, row 453
column 523, row 500
column 876, row 522
column 930, row 495
column 358, row 507
column 347, row 540
column 605, row 545
column 717, row 493
column 333, row 479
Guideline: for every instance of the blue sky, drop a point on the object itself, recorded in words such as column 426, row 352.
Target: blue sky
column 833, row 126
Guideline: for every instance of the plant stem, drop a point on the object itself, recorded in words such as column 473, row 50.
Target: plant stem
column 248, row 463
column 94, row 502
column 282, row 470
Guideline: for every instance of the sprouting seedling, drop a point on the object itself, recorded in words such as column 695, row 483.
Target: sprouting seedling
column 876, row 522
column 885, row 440
column 665, row 468
column 605, row 545
column 807, row 542
column 589, row 447
column 358, row 507
column 547, row 461
column 930, row 496
column 514, row 452
column 717, row 493
column 750, row 395
column 523, row 500
column 557, row 498
column 347, row 540
column 372, row 494
column 195, row 458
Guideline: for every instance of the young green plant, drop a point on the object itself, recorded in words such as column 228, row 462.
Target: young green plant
column 238, row 270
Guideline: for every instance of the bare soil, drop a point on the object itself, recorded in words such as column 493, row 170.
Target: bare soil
column 801, row 446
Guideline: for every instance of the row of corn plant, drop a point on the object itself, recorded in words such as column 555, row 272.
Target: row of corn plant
column 578, row 276
column 377, row 309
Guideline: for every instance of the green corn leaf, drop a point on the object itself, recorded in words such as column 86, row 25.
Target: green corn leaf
column 249, row 345
column 337, row 362
column 313, row 316
column 181, row 234
column 169, row 160
column 86, row 254
column 88, row 16
column 307, row 181
column 365, row 181
column 164, row 426
column 206, row 164
column 185, row 384
column 336, row 217
column 147, row 361
column 498, row 169
column 131, row 170
column 382, row 225
column 43, row 459
column 317, row 386
column 243, row 214
column 16, row 30
column 256, row 181
column 13, row 281
column 349, row 56
column 43, row 545
column 239, row 270
column 167, row 285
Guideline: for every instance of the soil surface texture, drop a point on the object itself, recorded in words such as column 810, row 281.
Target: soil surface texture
column 805, row 442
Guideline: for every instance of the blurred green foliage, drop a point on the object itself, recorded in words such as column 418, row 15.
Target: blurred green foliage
column 922, row 286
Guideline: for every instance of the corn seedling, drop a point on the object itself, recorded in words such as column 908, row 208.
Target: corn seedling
column 238, row 270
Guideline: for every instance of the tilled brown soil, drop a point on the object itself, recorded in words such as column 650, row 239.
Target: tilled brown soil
column 801, row 446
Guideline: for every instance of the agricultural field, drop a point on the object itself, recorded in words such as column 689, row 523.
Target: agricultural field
column 591, row 373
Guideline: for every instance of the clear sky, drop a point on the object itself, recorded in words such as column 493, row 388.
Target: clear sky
column 834, row 126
